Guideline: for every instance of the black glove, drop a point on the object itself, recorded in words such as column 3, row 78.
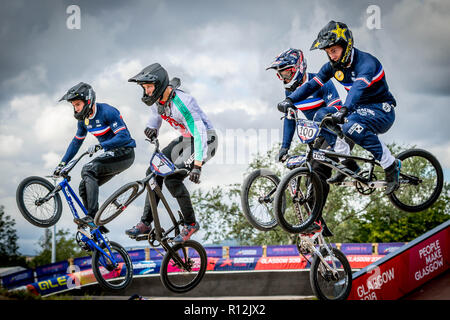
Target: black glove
column 59, row 168
column 285, row 104
column 282, row 153
column 151, row 133
column 94, row 148
column 338, row 117
column 194, row 176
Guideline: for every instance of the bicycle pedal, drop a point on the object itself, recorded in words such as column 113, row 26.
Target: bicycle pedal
column 140, row 237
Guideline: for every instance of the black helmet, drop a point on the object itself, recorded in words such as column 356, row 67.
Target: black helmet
column 335, row 33
column 155, row 74
column 84, row 92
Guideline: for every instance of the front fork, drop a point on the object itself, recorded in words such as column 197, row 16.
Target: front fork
column 307, row 244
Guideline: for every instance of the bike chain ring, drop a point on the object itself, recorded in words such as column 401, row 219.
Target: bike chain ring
column 81, row 243
column 362, row 189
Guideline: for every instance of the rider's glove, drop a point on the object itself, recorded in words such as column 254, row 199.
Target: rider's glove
column 285, row 104
column 59, row 168
column 94, row 148
column 151, row 133
column 338, row 117
column 194, row 176
column 282, row 154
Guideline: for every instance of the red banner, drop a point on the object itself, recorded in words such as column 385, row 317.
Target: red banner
column 404, row 272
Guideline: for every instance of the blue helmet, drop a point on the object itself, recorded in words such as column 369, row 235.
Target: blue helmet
column 294, row 61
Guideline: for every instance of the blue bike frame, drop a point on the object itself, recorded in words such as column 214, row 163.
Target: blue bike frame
column 95, row 233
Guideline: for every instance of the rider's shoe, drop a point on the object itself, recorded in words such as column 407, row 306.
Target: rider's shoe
column 187, row 232
column 140, row 229
column 326, row 232
column 340, row 177
column 313, row 228
column 392, row 176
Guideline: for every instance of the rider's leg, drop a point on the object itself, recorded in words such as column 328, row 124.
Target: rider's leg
column 344, row 146
column 330, row 137
column 100, row 170
column 363, row 126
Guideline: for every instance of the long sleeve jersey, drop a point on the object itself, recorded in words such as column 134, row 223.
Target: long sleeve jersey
column 364, row 80
column 325, row 96
column 107, row 125
column 186, row 117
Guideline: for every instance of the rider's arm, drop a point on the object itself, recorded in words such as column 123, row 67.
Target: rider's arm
column 76, row 143
column 117, row 125
column 308, row 88
column 194, row 123
column 288, row 132
column 330, row 95
column 363, row 79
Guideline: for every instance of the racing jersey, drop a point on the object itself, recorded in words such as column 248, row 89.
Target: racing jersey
column 325, row 96
column 186, row 117
column 364, row 80
column 107, row 125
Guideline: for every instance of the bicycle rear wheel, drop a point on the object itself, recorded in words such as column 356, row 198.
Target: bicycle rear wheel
column 181, row 279
column 29, row 198
column 327, row 285
column 298, row 200
column 257, row 194
column 421, row 181
column 110, row 277
column 116, row 203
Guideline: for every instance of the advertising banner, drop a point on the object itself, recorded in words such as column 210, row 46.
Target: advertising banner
column 386, row 248
column 247, row 251
column 287, row 250
column 400, row 272
column 356, row 248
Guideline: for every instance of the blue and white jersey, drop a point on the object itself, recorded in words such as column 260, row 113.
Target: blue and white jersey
column 364, row 80
column 325, row 96
column 107, row 125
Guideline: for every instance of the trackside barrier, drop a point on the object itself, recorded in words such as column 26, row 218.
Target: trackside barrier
column 406, row 269
column 220, row 258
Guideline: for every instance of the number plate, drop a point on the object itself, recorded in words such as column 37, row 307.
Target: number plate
column 161, row 165
column 307, row 130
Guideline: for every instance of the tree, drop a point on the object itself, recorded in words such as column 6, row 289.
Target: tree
column 352, row 217
column 9, row 255
column 66, row 247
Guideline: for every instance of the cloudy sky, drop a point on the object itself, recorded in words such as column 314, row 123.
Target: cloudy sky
column 220, row 50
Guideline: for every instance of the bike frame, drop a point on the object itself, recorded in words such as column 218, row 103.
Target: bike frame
column 325, row 157
column 149, row 183
column 86, row 237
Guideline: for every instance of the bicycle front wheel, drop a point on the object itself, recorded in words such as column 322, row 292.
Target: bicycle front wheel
column 116, row 203
column 31, row 199
column 257, row 194
column 331, row 279
column 183, row 269
column 109, row 276
column 298, row 200
column 421, row 181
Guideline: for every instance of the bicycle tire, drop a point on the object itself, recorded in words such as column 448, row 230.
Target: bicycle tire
column 108, row 282
column 315, row 276
column 282, row 209
column 26, row 200
column 168, row 277
column 265, row 224
column 416, row 165
column 110, row 210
